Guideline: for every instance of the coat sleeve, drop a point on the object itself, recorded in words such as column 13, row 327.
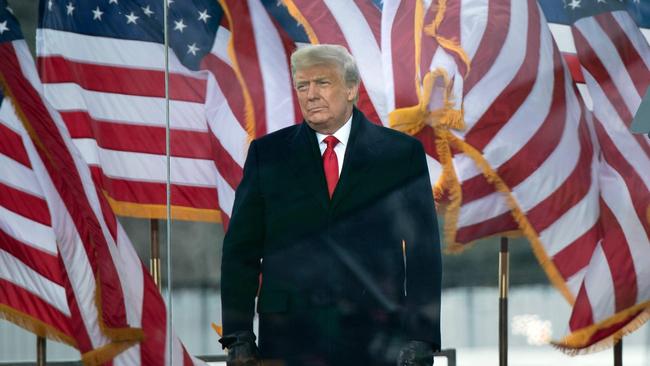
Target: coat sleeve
column 421, row 317
column 242, row 251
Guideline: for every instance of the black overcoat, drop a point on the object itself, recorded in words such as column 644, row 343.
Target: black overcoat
column 346, row 279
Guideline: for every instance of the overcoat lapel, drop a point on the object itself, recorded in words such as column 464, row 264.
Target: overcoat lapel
column 307, row 164
column 359, row 157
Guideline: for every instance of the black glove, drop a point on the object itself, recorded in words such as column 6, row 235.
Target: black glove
column 415, row 353
column 242, row 350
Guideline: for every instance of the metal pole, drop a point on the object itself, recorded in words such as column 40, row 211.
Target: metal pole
column 41, row 354
column 168, row 190
column 618, row 353
column 154, row 261
column 503, row 302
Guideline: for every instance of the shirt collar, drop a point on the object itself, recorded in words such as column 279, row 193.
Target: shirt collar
column 342, row 134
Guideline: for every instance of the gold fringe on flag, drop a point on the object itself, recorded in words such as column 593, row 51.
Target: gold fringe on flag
column 448, row 44
column 156, row 211
column 577, row 342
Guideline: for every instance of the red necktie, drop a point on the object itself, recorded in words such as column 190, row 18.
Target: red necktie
column 331, row 164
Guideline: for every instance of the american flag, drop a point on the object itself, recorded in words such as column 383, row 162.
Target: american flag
column 614, row 57
column 102, row 64
column 525, row 160
column 515, row 155
column 67, row 269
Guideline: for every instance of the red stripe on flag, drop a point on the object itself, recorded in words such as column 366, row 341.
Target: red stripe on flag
column 227, row 167
column 30, row 304
column 515, row 94
column 68, row 183
column 25, row 204
column 403, row 61
column 619, row 258
column 11, row 145
column 576, row 256
column 121, row 80
column 492, row 39
column 46, row 264
column 608, row 331
column 496, row 225
column 229, row 85
column 427, row 137
column 429, row 45
column 155, row 192
column 573, row 63
column 372, row 15
column 137, row 138
column 633, row 62
column 582, row 315
column 187, row 360
column 154, row 324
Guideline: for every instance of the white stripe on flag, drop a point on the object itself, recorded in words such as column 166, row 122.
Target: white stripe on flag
column 600, row 286
column 574, row 223
column 473, row 21
column 27, row 231
column 23, row 276
column 276, row 78
column 133, row 109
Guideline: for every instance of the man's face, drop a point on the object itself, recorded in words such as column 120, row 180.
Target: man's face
column 325, row 99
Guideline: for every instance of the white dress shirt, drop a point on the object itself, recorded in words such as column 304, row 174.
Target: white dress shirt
column 342, row 134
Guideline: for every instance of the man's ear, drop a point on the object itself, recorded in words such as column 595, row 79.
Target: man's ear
column 353, row 92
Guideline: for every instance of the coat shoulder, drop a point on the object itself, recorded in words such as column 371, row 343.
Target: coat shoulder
column 396, row 139
column 279, row 137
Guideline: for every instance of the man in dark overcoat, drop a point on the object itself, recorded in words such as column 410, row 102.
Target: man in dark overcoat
column 337, row 216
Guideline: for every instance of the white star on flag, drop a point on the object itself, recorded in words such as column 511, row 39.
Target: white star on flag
column 147, row 10
column 574, row 4
column 97, row 14
column 191, row 48
column 131, row 18
column 3, row 27
column 203, row 15
column 69, row 9
column 179, row 25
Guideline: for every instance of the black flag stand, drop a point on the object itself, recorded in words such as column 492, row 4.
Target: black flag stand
column 503, row 302
column 618, row 353
column 154, row 261
column 41, row 359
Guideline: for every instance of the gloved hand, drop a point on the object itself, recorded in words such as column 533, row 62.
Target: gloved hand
column 415, row 353
column 242, row 350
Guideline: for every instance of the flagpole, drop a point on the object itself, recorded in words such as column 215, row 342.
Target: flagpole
column 168, row 181
column 41, row 346
column 618, row 353
column 154, row 261
column 503, row 302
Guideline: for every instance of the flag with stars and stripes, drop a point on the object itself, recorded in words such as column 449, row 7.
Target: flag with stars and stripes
column 67, row 269
column 102, row 66
column 613, row 69
column 514, row 150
